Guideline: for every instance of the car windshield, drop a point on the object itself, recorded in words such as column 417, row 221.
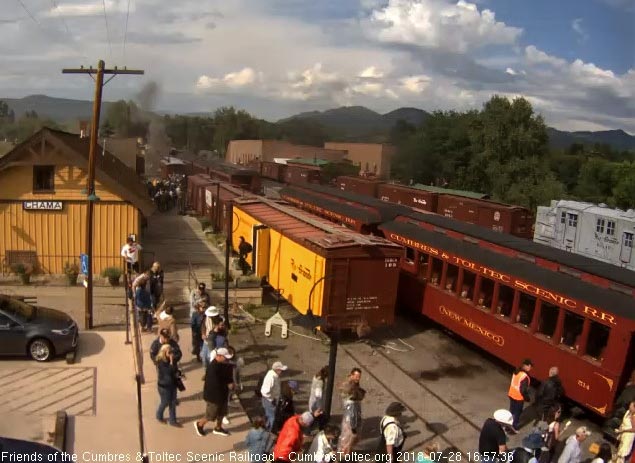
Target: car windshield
column 16, row 309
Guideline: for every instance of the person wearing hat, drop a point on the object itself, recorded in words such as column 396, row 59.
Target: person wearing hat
column 270, row 391
column 218, row 382
column 391, row 433
column 164, row 338
column 493, row 441
column 130, row 253
column 285, row 408
column 519, row 391
column 530, row 449
column 196, row 323
column 291, row 437
column 572, row 452
column 212, row 318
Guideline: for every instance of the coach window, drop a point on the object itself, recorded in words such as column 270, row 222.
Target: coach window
column 572, row 330
column 526, row 308
column 451, row 277
column 423, row 264
column 469, row 280
column 505, row 301
column 409, row 255
column 437, row 270
column 548, row 319
column 598, row 339
column 485, row 294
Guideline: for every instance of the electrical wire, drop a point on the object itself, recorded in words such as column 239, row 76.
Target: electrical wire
column 68, row 31
column 125, row 33
column 103, row 2
column 29, row 13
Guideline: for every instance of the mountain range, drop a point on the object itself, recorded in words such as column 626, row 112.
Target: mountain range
column 354, row 122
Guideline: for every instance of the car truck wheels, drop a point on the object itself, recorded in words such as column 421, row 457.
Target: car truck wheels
column 40, row 350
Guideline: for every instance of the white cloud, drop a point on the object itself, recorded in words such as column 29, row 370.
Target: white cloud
column 441, row 25
column 371, row 73
column 576, row 25
column 535, row 56
column 243, row 78
column 88, row 9
column 511, row 72
column 415, row 84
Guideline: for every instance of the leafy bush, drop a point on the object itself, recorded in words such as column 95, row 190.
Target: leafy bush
column 220, row 276
column 112, row 273
column 71, row 268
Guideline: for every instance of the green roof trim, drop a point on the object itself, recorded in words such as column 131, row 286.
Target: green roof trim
column 309, row 161
column 449, row 191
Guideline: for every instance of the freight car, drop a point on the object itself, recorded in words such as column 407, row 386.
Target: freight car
column 217, row 198
column 360, row 185
column 346, row 279
column 272, row 170
column 513, row 308
column 247, row 179
column 196, row 187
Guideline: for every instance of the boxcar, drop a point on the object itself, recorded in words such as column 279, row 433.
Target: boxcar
column 359, row 185
column 273, row 171
column 515, row 309
column 240, row 177
column 196, row 195
column 346, row 279
column 412, row 197
column 499, row 217
column 298, row 174
column 217, row 198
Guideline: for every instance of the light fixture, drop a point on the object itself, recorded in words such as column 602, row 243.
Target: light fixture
column 93, row 197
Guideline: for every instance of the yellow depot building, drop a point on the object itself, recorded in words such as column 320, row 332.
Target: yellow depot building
column 43, row 204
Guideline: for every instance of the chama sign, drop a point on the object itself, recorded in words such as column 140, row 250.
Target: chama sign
column 42, row 205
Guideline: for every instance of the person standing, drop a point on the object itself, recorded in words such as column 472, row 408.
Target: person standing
column 519, row 391
column 352, row 396
column 143, row 301
column 168, row 322
column 626, row 434
column 549, row 393
column 258, row 441
column 167, row 374
column 316, row 401
column 291, row 437
column 160, row 341
column 552, row 418
column 270, row 391
column 285, row 407
column 244, row 248
column 392, row 436
column 572, row 452
column 196, row 323
column 130, row 253
column 492, row 440
column 156, row 285
column 218, row 382
column 197, row 296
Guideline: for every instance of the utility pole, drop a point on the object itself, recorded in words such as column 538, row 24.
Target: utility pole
column 90, row 186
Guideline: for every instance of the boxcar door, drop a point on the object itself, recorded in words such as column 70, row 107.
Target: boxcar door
column 570, row 229
column 627, row 247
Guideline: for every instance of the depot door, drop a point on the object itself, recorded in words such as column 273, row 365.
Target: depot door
column 627, row 247
column 570, row 229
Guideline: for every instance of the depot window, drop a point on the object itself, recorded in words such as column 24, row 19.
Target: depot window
column 610, row 228
column 572, row 329
column 505, row 301
column 598, row 339
column 526, row 308
column 451, row 277
column 548, row 319
column 485, row 294
column 437, row 270
column 43, row 179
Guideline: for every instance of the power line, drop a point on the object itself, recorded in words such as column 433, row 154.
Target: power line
column 125, row 33
column 103, row 2
column 29, row 13
column 68, row 31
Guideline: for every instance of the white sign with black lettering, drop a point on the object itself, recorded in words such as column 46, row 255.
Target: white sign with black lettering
column 42, row 205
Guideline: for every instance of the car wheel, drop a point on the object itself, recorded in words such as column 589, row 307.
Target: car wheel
column 41, row 350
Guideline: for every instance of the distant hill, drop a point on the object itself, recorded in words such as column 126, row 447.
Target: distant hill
column 616, row 138
column 58, row 109
column 360, row 122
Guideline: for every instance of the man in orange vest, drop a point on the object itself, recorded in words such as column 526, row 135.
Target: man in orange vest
column 519, row 391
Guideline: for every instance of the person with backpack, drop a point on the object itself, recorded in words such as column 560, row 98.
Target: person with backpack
column 285, row 408
column 270, row 391
column 552, row 434
column 391, row 432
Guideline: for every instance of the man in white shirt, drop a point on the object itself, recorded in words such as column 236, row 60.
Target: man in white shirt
column 572, row 452
column 392, row 435
column 324, row 448
column 270, row 391
column 130, row 252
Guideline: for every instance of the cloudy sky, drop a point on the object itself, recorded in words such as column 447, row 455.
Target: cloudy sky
column 573, row 59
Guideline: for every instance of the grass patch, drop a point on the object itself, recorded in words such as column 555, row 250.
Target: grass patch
column 260, row 312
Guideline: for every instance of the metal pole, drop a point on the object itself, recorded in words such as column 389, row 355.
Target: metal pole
column 217, row 227
column 328, row 400
column 127, row 288
column 94, row 132
column 142, row 443
column 228, row 248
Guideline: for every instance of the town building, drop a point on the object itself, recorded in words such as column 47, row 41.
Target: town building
column 43, row 204
column 594, row 231
column 246, row 151
column 374, row 159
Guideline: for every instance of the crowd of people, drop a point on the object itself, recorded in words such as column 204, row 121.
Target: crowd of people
column 168, row 193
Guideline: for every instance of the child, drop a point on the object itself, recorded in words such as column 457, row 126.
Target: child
column 259, row 442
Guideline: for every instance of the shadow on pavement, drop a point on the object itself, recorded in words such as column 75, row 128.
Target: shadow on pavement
column 90, row 343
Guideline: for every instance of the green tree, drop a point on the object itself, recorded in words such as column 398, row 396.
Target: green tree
column 623, row 193
column 596, row 180
column 230, row 124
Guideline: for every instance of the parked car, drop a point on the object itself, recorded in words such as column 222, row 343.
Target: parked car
column 38, row 332
column 35, row 450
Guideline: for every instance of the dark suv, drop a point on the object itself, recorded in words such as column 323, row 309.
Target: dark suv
column 38, row 332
